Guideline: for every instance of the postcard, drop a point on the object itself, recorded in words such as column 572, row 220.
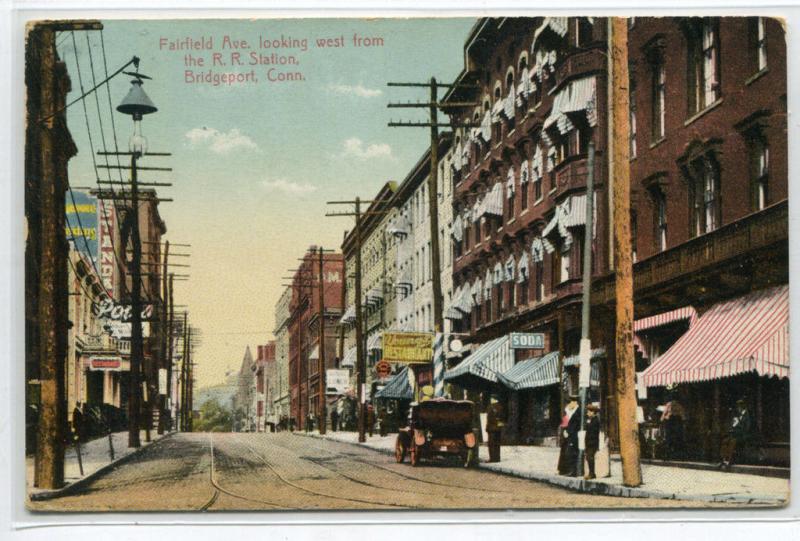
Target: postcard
column 528, row 262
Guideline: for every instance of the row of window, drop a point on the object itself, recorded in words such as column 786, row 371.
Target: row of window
column 703, row 73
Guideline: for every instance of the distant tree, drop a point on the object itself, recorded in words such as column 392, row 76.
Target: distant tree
column 214, row 417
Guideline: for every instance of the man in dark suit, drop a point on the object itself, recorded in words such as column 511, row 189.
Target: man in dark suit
column 592, row 442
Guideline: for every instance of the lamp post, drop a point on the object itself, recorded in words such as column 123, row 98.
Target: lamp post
column 137, row 104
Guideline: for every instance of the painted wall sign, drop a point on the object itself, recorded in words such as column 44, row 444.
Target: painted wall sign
column 106, row 221
column 82, row 222
column 337, row 381
column 115, row 311
column 105, row 363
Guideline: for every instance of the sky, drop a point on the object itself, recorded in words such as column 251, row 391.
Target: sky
column 254, row 162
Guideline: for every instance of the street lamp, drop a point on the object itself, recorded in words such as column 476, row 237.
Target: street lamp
column 137, row 104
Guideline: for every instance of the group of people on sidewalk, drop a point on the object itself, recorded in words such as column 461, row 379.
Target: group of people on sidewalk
column 569, row 434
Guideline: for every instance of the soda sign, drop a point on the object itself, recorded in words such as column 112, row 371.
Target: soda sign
column 529, row 340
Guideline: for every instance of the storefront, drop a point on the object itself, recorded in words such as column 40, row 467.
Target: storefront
column 735, row 351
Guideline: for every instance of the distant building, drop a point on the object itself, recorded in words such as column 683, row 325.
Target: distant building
column 280, row 383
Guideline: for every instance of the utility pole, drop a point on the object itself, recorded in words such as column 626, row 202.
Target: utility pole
column 433, row 107
column 163, row 393
column 586, row 344
column 170, row 324
column 626, row 369
column 361, row 365
column 323, row 399
column 184, row 357
column 47, row 285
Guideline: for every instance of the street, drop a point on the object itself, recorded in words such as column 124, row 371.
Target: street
column 266, row 472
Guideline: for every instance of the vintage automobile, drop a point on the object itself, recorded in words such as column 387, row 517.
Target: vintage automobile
column 439, row 427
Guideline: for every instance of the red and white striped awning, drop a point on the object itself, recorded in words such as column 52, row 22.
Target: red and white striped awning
column 746, row 334
column 647, row 323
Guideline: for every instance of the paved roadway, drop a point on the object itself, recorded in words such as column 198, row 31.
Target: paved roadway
column 272, row 472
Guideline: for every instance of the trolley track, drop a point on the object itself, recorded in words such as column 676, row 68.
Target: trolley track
column 319, row 493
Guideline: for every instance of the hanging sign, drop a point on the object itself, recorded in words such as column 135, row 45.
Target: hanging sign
column 114, row 311
column 383, row 369
column 336, row 381
column 408, row 347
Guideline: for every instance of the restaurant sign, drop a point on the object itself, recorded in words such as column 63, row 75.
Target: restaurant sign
column 408, row 347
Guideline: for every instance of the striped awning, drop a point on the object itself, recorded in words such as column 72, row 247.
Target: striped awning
column 453, row 313
column 349, row 359
column 493, row 204
column 463, row 301
column 374, row 296
column 679, row 314
column 374, row 342
column 349, row 316
column 745, row 334
column 492, row 358
column 575, row 360
column 532, row 373
column 398, row 387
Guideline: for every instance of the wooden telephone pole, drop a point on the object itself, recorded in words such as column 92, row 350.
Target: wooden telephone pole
column 323, row 399
column 361, row 362
column 626, row 368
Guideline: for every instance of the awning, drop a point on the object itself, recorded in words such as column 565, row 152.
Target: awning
column 349, row 316
column 314, row 354
column 492, row 358
column 463, row 301
column 522, row 268
column 745, row 334
column 679, row 314
column 399, row 227
column 349, row 359
column 509, row 269
column 453, row 313
column 511, row 183
column 493, row 204
column 458, row 228
column 374, row 296
column 398, row 387
column 575, row 360
column 374, row 342
column 579, row 96
column 532, row 373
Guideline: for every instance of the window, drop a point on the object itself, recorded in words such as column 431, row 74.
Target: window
column 538, row 273
column 758, row 43
column 566, row 262
column 705, row 194
column 759, row 172
column 703, row 65
column 583, row 31
column 634, row 237
column 659, row 197
column 633, row 118
column 524, row 286
column 523, row 187
column 477, row 228
column 510, row 195
column 659, row 103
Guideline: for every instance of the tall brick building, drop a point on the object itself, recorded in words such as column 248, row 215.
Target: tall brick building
column 709, row 216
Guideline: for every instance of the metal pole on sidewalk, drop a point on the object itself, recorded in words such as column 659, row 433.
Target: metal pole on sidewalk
column 584, row 379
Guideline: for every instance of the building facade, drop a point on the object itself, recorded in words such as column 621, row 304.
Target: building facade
column 306, row 314
column 709, row 215
column 280, row 383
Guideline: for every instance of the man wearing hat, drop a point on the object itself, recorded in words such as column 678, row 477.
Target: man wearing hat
column 495, row 421
column 739, row 436
column 592, row 442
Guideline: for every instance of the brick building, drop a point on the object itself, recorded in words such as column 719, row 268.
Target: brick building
column 304, row 332
column 709, row 215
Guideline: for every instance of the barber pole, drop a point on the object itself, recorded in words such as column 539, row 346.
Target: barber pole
column 438, row 365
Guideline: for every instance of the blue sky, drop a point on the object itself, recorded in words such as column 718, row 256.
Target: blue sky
column 254, row 163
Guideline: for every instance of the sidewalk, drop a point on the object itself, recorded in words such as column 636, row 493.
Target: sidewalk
column 666, row 482
column 96, row 460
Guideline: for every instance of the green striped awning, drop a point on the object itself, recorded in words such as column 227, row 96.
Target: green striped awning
column 490, row 359
column 398, row 387
column 532, row 373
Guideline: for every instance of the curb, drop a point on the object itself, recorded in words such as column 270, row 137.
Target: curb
column 596, row 487
column 83, row 481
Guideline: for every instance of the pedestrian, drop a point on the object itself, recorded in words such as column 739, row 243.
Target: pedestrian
column 382, row 428
column 334, row 419
column 592, row 441
column 571, row 423
column 673, row 419
column 78, row 426
column 370, row 419
column 495, row 421
column 738, row 436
